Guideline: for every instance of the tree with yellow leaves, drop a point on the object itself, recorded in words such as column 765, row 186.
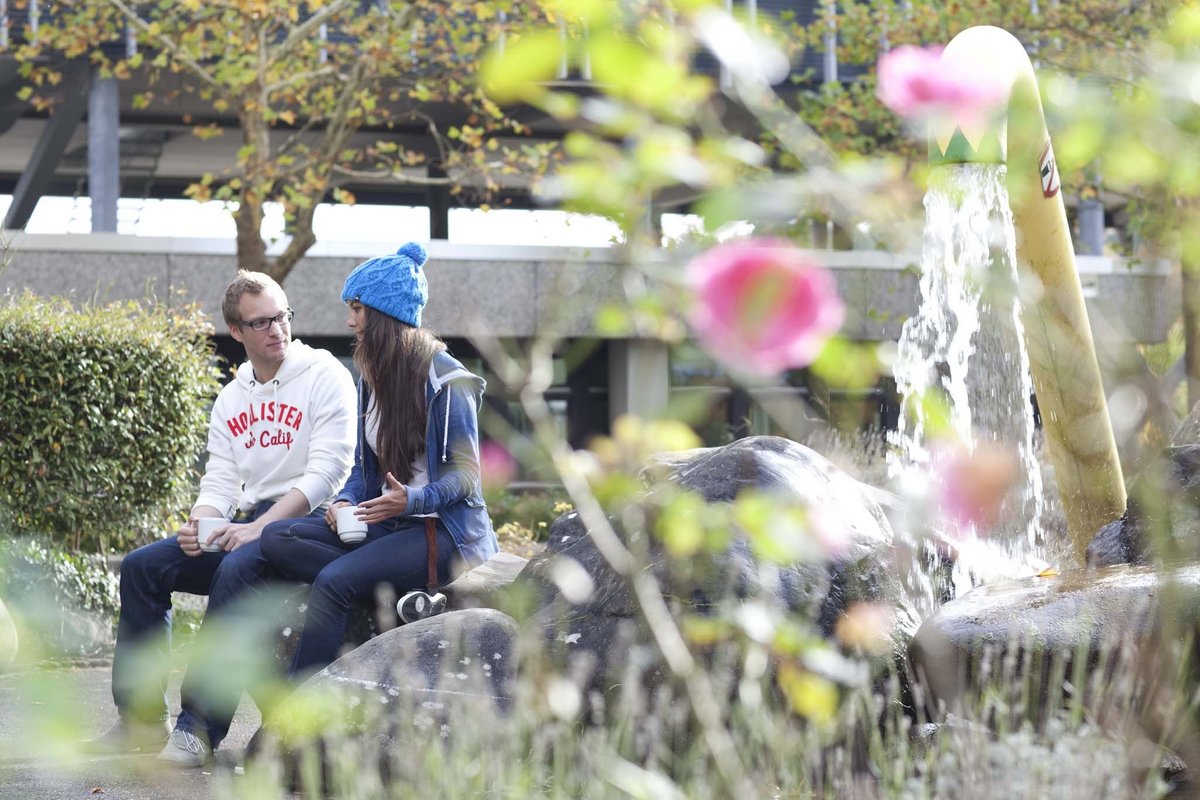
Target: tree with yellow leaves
column 324, row 93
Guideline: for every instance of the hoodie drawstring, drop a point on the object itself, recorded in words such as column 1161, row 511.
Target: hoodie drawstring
column 275, row 398
column 446, row 432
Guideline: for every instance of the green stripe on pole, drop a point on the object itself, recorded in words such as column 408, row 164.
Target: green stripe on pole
column 960, row 151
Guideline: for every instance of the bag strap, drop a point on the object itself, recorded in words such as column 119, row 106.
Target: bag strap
column 431, row 573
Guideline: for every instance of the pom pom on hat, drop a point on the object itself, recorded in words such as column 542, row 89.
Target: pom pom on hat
column 393, row 284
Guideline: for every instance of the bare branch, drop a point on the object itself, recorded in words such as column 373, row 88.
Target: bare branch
column 293, row 139
column 389, row 174
column 434, row 134
column 172, row 47
column 305, row 29
column 302, row 77
column 302, row 239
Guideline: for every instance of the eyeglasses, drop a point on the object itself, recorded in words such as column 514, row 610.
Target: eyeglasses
column 280, row 319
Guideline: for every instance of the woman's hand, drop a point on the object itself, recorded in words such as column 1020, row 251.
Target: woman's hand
column 386, row 506
column 331, row 513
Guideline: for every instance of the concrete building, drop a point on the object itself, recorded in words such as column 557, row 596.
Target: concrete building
column 101, row 145
column 513, row 295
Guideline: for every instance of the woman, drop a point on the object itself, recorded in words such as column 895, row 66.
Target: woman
column 417, row 459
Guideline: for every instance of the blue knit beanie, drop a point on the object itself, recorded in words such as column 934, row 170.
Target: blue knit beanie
column 393, row 284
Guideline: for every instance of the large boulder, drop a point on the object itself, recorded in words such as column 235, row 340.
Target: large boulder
column 389, row 698
column 580, row 618
column 8, row 638
column 460, row 653
column 589, row 614
column 1164, row 498
column 1024, row 631
column 481, row 587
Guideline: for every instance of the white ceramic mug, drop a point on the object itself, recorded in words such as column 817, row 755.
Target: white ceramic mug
column 350, row 528
column 205, row 526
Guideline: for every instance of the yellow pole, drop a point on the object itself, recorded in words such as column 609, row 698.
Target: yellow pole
column 1062, row 355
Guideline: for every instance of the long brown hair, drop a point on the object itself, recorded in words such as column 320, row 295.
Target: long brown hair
column 394, row 360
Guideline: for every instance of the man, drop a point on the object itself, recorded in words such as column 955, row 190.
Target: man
column 280, row 443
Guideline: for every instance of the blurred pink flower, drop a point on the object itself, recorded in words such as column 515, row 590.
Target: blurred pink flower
column 916, row 83
column 762, row 305
column 867, row 627
column 498, row 468
column 973, row 484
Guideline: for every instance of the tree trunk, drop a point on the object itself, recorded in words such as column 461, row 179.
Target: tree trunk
column 1190, row 264
column 251, row 249
column 302, row 238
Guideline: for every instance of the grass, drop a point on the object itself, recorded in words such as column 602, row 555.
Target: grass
column 1096, row 725
column 1032, row 729
column 1037, row 743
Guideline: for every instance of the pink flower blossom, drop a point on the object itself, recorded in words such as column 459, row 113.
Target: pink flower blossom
column 867, row 627
column 498, row 468
column 973, row 484
column 762, row 305
column 917, row 83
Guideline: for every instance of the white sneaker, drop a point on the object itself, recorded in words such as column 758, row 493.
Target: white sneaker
column 419, row 605
column 185, row 750
column 126, row 736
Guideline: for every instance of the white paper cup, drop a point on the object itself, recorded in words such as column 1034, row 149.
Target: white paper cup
column 350, row 528
column 205, row 526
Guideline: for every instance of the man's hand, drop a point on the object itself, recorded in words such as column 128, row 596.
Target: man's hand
column 189, row 538
column 331, row 513
column 387, row 505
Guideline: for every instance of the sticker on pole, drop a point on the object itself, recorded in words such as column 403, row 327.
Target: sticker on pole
column 1049, row 172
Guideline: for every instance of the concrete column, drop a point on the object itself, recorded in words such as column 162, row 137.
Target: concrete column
column 1091, row 227
column 639, row 379
column 104, row 153
column 829, row 66
column 439, row 206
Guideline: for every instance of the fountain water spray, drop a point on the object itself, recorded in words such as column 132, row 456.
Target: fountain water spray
column 997, row 223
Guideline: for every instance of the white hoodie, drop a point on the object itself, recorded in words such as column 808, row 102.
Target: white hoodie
column 295, row 431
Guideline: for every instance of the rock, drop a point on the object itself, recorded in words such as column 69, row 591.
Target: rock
column 1034, row 622
column 1188, row 430
column 1164, row 497
column 460, row 653
column 1121, row 541
column 367, row 619
column 589, row 615
column 481, row 586
column 8, row 638
column 478, row 588
column 422, row 680
column 430, row 680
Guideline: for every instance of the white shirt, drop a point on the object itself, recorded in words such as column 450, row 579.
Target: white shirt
column 420, row 470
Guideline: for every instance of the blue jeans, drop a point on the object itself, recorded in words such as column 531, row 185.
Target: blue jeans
column 141, row 658
column 394, row 554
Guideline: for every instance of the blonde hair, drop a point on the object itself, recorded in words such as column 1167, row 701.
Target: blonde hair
column 245, row 282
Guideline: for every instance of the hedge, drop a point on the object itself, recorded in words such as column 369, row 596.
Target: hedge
column 66, row 603
column 103, row 414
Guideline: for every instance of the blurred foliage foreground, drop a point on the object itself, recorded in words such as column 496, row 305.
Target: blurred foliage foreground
column 720, row 696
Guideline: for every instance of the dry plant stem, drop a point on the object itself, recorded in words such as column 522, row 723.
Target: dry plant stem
column 803, row 143
column 666, row 634
column 650, row 600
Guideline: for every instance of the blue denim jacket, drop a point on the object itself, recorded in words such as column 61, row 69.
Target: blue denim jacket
column 454, row 490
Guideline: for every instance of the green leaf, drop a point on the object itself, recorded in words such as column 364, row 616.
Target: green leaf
column 518, row 71
column 848, row 365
